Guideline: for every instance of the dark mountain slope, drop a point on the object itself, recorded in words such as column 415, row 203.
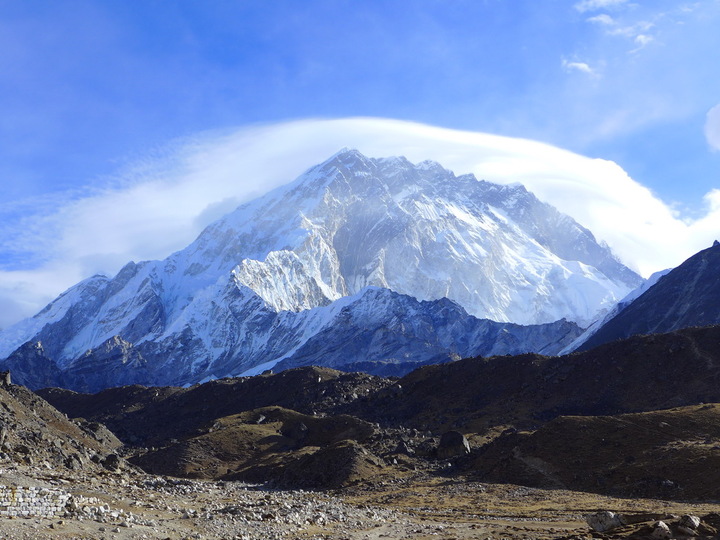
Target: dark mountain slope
column 33, row 432
column 687, row 296
column 670, row 453
column 641, row 373
column 153, row 415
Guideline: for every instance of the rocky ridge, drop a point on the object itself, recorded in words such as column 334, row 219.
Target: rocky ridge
column 688, row 295
column 377, row 331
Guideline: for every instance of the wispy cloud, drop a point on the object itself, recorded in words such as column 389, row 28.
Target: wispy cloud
column 638, row 32
column 594, row 5
column 712, row 128
column 163, row 205
column 632, row 30
column 641, row 40
column 603, row 19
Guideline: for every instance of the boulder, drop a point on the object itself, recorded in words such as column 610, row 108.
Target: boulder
column 689, row 521
column 403, row 448
column 604, row 521
column 661, row 531
column 111, row 462
column 452, row 443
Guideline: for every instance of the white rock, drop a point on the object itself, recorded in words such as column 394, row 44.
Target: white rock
column 604, row 521
column 661, row 531
column 690, row 521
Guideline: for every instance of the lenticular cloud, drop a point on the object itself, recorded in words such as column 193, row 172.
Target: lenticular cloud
column 173, row 199
column 644, row 231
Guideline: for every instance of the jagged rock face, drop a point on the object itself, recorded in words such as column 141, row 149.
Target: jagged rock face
column 115, row 363
column 388, row 334
column 422, row 231
column 687, row 296
column 257, row 285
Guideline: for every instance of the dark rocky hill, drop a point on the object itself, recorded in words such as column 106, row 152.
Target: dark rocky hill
column 687, row 296
column 669, row 454
column 642, row 373
column 32, row 432
column 153, row 415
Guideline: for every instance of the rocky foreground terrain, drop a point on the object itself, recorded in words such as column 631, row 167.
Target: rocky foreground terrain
column 504, row 447
column 128, row 504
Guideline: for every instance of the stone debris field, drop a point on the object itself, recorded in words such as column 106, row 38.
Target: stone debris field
column 130, row 504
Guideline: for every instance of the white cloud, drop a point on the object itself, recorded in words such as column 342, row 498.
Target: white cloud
column 594, row 5
column 163, row 207
column 643, row 39
column 633, row 31
column 708, row 227
column 638, row 31
column 578, row 66
column 712, row 128
column 713, row 202
column 603, row 19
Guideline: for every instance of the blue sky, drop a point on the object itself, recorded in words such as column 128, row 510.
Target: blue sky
column 97, row 96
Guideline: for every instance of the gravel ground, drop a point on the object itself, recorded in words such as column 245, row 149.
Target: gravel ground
column 132, row 505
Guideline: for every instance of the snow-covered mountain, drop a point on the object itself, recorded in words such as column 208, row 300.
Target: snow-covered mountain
column 347, row 224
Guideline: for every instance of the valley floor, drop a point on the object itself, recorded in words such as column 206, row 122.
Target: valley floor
column 132, row 505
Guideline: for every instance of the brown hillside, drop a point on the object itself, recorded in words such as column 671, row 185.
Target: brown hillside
column 672, row 454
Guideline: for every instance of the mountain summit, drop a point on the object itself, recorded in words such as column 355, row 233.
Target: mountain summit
column 419, row 230
column 265, row 277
